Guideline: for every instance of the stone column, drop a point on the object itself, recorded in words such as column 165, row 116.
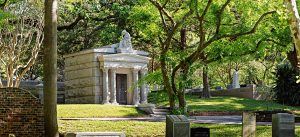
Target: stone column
column 105, row 86
column 113, row 89
column 136, row 94
column 143, row 87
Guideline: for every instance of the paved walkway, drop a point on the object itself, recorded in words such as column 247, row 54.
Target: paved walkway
column 193, row 119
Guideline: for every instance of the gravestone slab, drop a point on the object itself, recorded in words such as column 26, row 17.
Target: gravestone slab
column 249, row 124
column 96, row 134
column 177, row 126
column 283, row 125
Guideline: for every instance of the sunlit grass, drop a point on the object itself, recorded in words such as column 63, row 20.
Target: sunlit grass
column 232, row 104
column 130, row 128
column 96, row 111
column 137, row 128
column 196, row 104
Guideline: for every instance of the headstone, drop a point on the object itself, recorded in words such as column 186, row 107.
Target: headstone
column 249, row 124
column 235, row 80
column 95, row 134
column 218, row 88
column 229, row 86
column 283, row 125
column 155, row 87
column 200, row 132
column 40, row 88
column 177, row 126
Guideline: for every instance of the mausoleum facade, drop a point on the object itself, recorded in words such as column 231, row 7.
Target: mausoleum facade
column 109, row 74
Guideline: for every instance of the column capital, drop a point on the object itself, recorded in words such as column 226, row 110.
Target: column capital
column 105, row 68
column 113, row 69
column 136, row 70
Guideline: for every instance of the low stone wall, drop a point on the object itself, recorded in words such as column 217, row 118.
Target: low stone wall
column 21, row 114
column 244, row 92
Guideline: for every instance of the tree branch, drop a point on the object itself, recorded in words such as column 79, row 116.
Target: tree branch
column 79, row 18
column 2, row 5
column 162, row 9
column 219, row 16
column 218, row 37
column 71, row 25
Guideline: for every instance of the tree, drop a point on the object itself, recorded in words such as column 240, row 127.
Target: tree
column 20, row 41
column 209, row 23
column 170, row 27
column 50, row 68
column 294, row 21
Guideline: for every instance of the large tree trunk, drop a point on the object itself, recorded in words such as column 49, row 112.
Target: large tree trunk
column 50, row 69
column 294, row 21
column 182, row 101
column 292, row 57
column 166, row 82
column 205, row 93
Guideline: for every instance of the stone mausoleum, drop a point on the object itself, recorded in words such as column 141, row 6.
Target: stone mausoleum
column 109, row 74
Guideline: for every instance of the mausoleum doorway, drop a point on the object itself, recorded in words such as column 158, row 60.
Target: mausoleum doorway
column 121, row 84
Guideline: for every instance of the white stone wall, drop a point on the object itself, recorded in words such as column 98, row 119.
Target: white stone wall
column 82, row 76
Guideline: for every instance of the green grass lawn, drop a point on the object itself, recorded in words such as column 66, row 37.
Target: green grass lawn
column 137, row 128
column 232, row 104
column 196, row 104
column 96, row 111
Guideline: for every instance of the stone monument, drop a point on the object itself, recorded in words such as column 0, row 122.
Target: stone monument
column 107, row 75
column 235, row 80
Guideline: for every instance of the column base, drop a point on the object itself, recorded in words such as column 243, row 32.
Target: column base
column 115, row 103
column 105, row 102
column 144, row 102
column 136, row 103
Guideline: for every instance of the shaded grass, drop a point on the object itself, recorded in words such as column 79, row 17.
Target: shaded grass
column 196, row 104
column 96, row 111
column 138, row 128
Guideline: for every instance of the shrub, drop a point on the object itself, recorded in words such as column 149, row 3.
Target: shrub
column 287, row 91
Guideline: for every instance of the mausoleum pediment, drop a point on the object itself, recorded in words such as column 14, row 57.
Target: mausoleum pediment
column 133, row 58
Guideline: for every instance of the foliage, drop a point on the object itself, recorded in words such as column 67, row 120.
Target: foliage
column 287, row 91
column 96, row 111
column 160, row 98
column 20, row 41
column 155, row 129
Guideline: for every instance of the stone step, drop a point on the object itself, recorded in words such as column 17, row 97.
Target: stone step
column 157, row 116
column 160, row 113
column 161, row 110
column 162, row 107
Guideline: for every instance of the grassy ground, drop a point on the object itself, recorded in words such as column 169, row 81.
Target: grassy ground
column 137, row 128
column 96, row 111
column 196, row 104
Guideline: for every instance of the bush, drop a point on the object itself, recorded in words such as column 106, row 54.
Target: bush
column 158, row 97
column 287, row 91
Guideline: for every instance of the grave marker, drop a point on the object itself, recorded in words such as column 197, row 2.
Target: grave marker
column 283, row 125
column 249, row 124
